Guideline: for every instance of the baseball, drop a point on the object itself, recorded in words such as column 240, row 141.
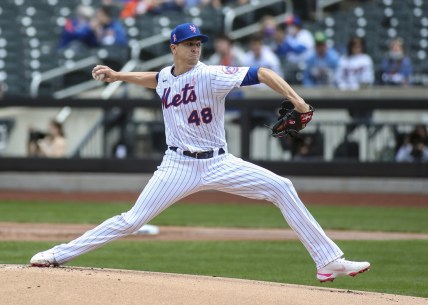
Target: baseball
column 98, row 77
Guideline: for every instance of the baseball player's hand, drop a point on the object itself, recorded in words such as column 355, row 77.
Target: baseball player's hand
column 105, row 74
column 302, row 107
column 291, row 121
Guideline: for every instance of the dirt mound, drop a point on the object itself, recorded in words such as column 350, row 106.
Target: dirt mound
column 65, row 285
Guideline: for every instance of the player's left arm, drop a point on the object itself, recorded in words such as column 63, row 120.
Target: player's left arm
column 145, row 79
column 278, row 84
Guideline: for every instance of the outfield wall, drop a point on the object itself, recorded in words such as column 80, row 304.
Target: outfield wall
column 131, row 174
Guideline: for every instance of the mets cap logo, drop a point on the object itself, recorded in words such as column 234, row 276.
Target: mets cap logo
column 174, row 37
column 193, row 28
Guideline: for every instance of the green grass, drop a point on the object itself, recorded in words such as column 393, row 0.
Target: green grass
column 397, row 219
column 398, row 267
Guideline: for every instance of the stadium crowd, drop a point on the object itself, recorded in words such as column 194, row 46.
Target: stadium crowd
column 299, row 55
column 302, row 57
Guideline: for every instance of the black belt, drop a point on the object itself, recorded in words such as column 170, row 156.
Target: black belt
column 200, row 154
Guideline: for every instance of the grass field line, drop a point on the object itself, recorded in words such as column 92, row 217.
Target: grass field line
column 12, row 231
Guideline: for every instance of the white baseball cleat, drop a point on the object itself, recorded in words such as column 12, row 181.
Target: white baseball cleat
column 341, row 267
column 44, row 259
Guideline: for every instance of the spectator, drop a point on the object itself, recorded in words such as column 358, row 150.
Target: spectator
column 262, row 56
column 268, row 29
column 52, row 144
column 132, row 8
column 111, row 36
column 415, row 146
column 77, row 31
column 108, row 31
column 226, row 53
column 355, row 69
column 160, row 6
column 396, row 66
column 141, row 7
column 322, row 64
column 297, row 44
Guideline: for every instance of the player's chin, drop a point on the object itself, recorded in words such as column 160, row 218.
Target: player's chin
column 194, row 59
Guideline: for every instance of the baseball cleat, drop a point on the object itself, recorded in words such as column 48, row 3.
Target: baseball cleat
column 44, row 259
column 341, row 267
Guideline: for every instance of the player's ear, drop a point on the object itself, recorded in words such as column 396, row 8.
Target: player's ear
column 173, row 48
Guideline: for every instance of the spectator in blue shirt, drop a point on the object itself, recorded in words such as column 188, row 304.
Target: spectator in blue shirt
column 261, row 55
column 108, row 31
column 322, row 64
column 396, row 66
column 298, row 42
column 77, row 31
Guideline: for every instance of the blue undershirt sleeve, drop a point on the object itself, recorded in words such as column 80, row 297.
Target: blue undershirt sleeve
column 157, row 77
column 251, row 78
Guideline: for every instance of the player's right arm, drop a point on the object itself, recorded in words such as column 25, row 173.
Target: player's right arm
column 145, row 79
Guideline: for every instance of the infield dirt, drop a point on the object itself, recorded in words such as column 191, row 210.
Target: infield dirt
column 47, row 286
column 11, row 231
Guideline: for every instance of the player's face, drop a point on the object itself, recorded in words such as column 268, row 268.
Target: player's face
column 189, row 51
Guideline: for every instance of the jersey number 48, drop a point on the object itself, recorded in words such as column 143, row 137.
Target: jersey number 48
column 205, row 116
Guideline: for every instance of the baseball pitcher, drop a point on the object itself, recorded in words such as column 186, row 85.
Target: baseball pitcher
column 192, row 98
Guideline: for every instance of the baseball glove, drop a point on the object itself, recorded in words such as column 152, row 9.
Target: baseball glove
column 290, row 121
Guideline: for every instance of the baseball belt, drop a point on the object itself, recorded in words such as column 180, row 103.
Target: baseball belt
column 199, row 154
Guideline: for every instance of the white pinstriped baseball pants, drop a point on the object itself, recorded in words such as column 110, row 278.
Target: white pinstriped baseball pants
column 179, row 176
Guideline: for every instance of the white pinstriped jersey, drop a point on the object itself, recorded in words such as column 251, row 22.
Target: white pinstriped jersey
column 193, row 105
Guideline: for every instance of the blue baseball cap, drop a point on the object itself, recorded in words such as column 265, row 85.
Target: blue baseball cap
column 293, row 19
column 186, row 31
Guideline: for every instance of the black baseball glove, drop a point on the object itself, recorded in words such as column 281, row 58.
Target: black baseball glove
column 290, row 121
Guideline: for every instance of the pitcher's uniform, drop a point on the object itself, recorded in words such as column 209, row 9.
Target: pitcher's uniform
column 197, row 159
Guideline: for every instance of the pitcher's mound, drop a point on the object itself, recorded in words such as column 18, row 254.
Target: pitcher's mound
column 71, row 285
